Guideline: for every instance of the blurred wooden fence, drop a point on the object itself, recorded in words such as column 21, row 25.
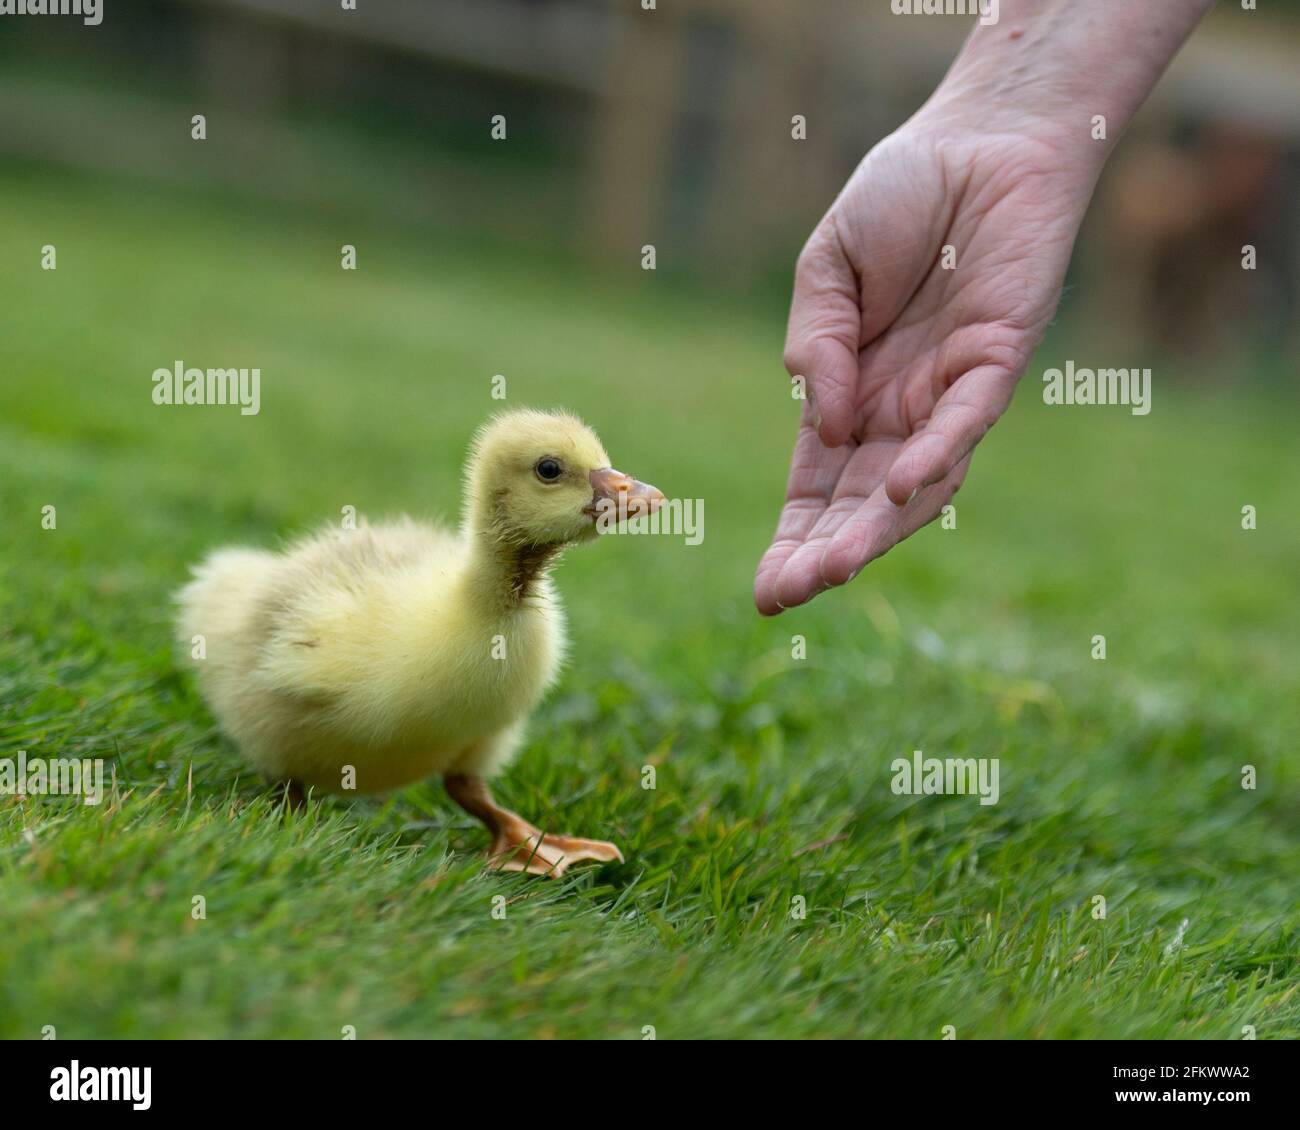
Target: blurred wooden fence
column 683, row 126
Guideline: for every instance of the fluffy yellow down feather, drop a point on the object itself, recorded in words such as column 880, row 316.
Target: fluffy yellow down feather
column 401, row 649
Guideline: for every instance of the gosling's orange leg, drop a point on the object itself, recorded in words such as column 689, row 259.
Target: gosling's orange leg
column 518, row 845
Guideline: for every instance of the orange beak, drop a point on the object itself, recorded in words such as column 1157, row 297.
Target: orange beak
column 621, row 496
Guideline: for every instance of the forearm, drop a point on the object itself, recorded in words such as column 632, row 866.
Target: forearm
column 1047, row 67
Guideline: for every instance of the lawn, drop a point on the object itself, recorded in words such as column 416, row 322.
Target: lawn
column 774, row 886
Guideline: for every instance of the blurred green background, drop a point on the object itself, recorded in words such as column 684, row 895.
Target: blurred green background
column 1119, row 778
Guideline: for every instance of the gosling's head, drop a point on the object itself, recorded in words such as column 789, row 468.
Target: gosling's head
column 543, row 479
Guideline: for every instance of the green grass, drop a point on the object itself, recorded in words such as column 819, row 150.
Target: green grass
column 1119, row 778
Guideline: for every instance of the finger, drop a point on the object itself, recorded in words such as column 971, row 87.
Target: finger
column 801, row 577
column 879, row 525
column 823, row 334
column 814, row 471
column 962, row 417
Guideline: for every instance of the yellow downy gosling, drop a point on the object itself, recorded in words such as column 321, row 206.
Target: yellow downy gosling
column 395, row 651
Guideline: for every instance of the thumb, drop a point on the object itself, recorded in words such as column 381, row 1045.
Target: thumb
column 821, row 343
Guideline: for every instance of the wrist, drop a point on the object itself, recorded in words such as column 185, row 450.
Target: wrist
column 1066, row 74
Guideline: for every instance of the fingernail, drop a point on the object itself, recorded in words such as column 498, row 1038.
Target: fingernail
column 915, row 492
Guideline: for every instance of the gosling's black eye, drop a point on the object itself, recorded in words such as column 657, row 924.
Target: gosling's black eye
column 548, row 470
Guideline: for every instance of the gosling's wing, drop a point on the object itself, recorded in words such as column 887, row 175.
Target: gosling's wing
column 337, row 603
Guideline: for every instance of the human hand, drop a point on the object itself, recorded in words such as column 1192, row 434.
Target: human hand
column 909, row 363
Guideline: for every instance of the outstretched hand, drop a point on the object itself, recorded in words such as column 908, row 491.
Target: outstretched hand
column 908, row 359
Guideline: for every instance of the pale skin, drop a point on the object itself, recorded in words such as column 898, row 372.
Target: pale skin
column 908, row 362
